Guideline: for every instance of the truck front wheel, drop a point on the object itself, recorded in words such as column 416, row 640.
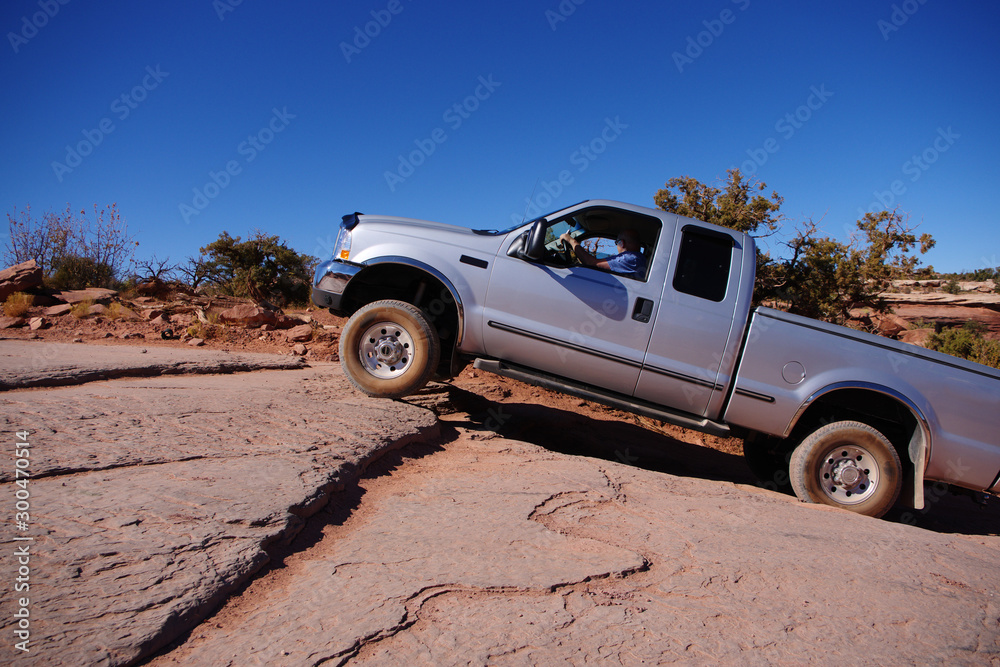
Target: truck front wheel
column 389, row 349
column 848, row 465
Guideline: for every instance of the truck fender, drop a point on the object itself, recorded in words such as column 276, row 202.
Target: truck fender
column 427, row 268
column 919, row 447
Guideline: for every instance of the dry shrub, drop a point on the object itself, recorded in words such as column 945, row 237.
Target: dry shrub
column 81, row 309
column 118, row 311
column 18, row 304
column 201, row 330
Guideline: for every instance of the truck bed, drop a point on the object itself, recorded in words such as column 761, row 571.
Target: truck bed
column 790, row 361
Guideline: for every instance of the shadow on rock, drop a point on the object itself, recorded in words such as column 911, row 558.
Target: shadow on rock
column 567, row 432
column 951, row 511
column 347, row 501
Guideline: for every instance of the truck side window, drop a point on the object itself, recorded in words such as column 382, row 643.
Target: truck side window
column 703, row 264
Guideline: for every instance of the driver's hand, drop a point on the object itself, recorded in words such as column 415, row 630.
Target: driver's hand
column 566, row 238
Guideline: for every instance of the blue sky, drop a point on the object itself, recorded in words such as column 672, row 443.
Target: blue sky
column 202, row 116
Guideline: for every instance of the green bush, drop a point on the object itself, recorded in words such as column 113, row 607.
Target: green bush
column 817, row 276
column 967, row 342
column 952, row 287
column 987, row 353
column 263, row 268
column 75, row 272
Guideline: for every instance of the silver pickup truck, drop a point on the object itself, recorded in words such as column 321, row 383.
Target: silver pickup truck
column 845, row 418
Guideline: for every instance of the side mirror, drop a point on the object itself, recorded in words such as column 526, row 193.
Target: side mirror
column 534, row 245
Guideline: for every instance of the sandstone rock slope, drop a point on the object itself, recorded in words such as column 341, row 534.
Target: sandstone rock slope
column 154, row 499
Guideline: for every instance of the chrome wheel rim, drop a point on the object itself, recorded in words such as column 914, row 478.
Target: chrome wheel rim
column 849, row 474
column 386, row 350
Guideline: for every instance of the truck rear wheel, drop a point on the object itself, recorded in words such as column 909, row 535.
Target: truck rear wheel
column 389, row 349
column 848, row 465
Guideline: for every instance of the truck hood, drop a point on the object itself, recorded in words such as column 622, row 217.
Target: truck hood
column 370, row 227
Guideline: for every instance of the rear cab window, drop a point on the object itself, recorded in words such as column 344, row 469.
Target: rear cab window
column 703, row 264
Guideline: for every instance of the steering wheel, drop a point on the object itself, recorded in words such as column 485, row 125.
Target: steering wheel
column 563, row 252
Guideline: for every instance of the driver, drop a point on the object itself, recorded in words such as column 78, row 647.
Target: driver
column 629, row 261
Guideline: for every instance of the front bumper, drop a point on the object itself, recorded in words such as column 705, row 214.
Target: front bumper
column 330, row 283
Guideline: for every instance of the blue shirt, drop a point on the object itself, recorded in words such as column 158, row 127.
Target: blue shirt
column 629, row 263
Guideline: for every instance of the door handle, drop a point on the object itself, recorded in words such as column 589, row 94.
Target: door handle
column 643, row 310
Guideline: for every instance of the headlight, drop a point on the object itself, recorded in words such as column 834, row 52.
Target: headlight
column 342, row 249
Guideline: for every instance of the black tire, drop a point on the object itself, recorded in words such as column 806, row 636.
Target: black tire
column 389, row 349
column 848, row 465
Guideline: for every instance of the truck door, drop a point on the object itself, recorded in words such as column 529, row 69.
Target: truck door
column 574, row 321
column 695, row 336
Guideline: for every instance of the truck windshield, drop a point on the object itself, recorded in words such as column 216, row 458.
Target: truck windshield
column 508, row 230
column 501, row 232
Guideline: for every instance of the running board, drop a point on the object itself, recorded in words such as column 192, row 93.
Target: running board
column 606, row 398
